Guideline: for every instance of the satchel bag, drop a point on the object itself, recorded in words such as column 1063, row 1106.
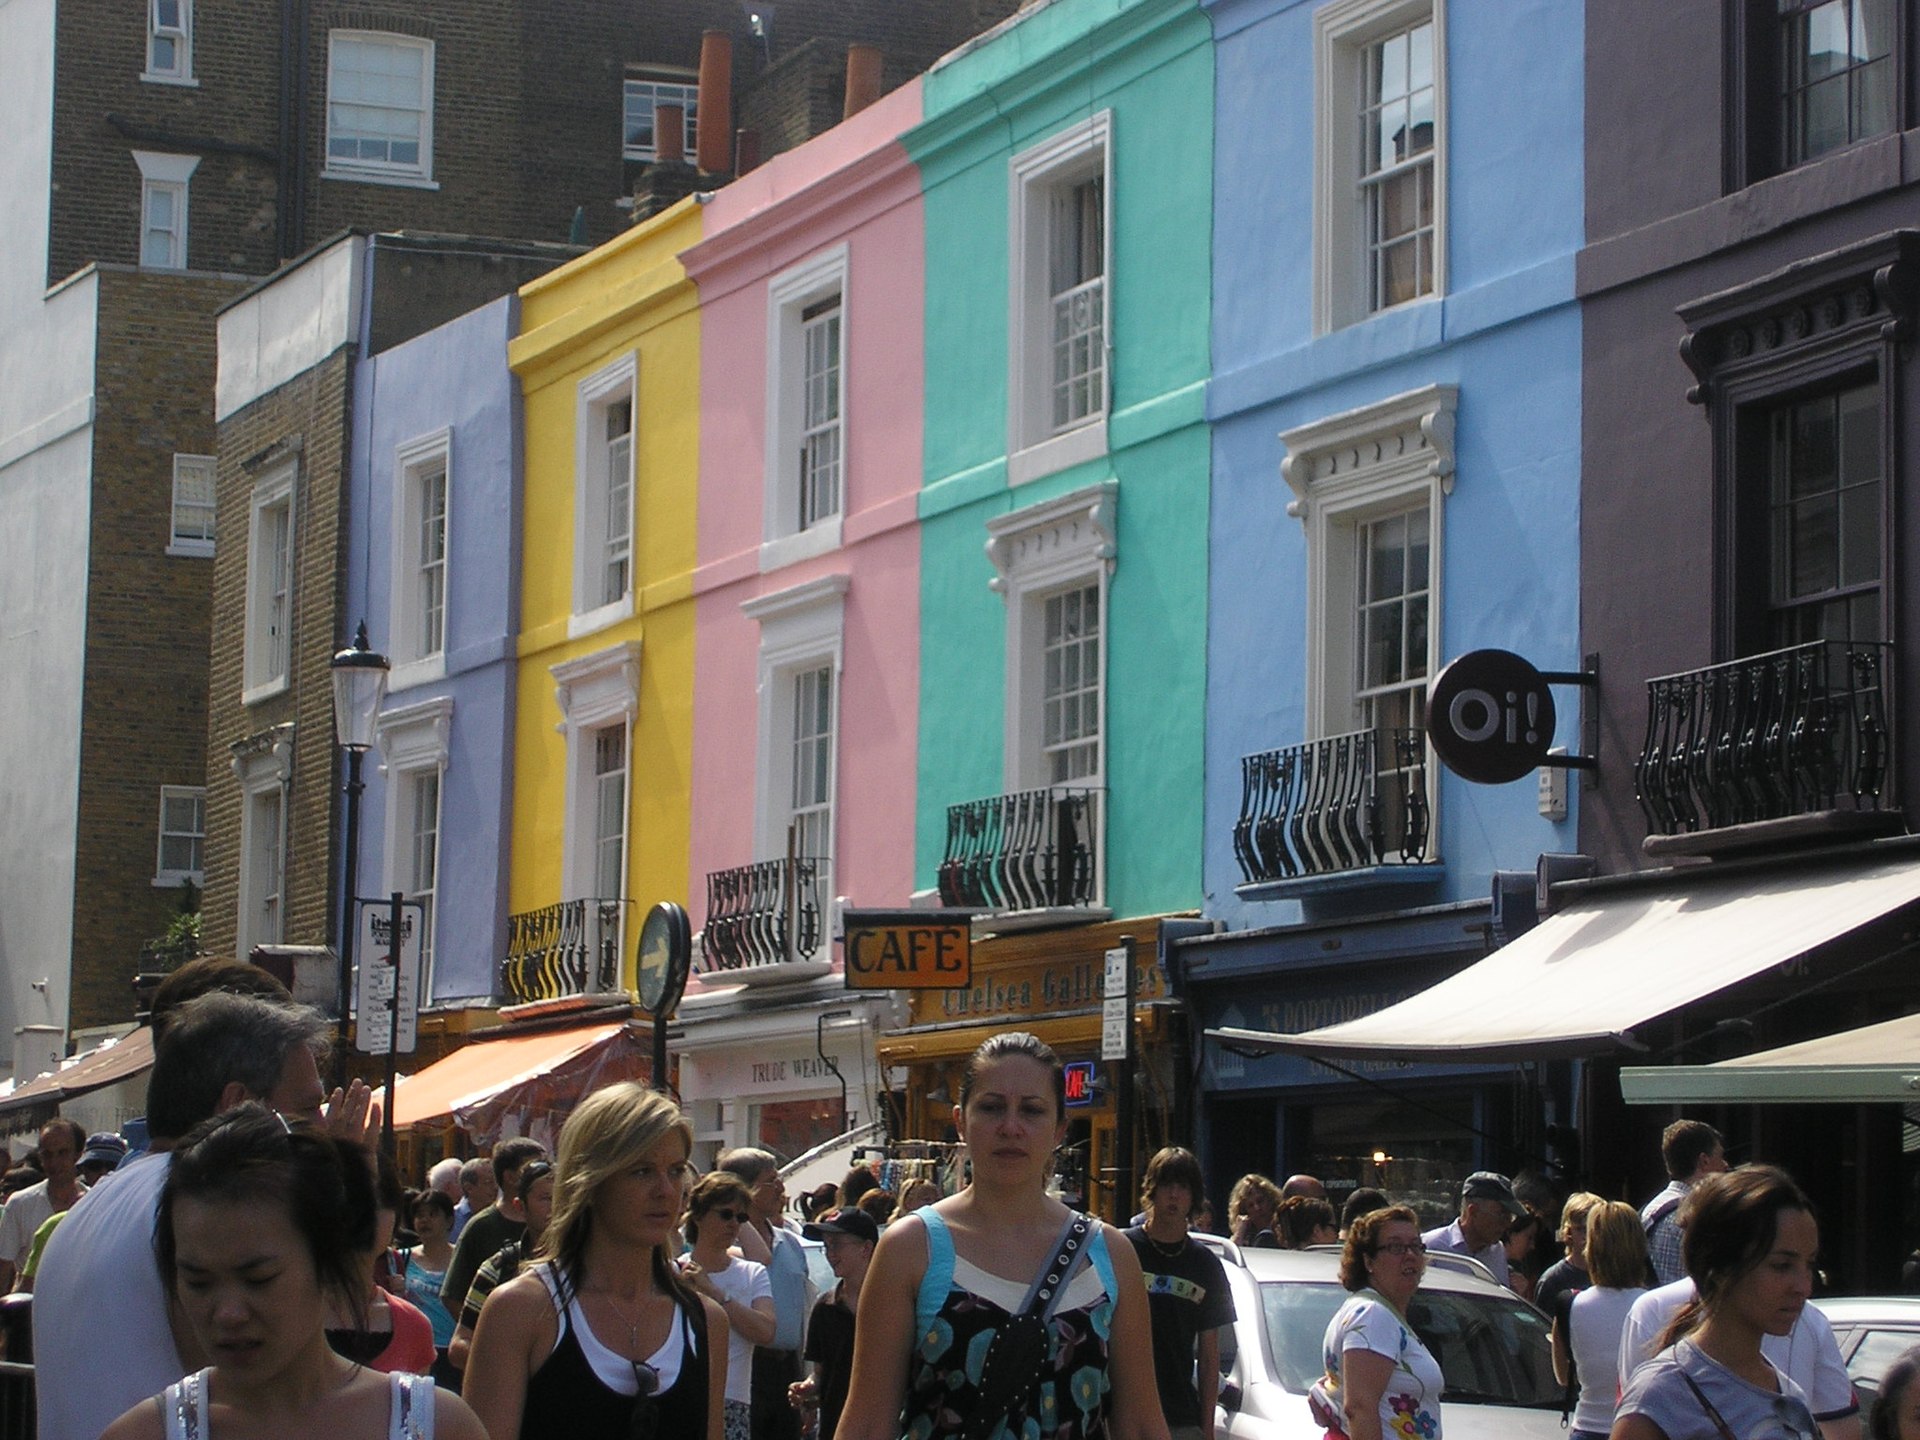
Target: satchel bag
column 1017, row 1354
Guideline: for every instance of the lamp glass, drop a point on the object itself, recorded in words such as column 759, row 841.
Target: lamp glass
column 359, row 689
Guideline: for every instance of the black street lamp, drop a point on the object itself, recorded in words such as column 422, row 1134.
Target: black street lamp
column 359, row 688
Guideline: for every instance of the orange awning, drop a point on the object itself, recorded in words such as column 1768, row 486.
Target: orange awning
column 488, row 1070
column 104, row 1065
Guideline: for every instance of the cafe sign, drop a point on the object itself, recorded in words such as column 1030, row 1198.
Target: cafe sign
column 909, row 949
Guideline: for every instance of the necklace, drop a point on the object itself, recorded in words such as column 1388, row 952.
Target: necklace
column 633, row 1325
column 1172, row 1251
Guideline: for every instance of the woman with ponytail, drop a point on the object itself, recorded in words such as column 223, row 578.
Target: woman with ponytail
column 601, row 1336
column 1750, row 1245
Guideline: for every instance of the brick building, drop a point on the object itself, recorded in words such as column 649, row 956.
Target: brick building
column 185, row 146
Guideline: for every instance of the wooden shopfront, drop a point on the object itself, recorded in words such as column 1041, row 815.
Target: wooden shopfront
column 1049, row 982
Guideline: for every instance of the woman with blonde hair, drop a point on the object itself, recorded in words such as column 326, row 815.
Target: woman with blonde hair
column 602, row 1336
column 1586, row 1339
column 1567, row 1276
column 1251, row 1206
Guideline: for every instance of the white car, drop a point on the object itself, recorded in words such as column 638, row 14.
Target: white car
column 1493, row 1347
column 1872, row 1331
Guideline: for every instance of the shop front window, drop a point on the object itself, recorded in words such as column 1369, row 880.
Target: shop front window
column 790, row 1128
column 1418, row 1154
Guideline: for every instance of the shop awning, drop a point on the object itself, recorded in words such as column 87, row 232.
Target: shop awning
column 106, row 1064
column 489, row 1071
column 1581, row 980
column 1875, row 1063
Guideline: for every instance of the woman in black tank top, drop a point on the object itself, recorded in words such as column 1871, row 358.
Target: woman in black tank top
column 600, row 1337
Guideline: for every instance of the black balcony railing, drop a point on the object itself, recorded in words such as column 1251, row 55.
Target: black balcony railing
column 572, row 948
column 1332, row 805
column 1031, row 850
column 767, row 913
column 1792, row 732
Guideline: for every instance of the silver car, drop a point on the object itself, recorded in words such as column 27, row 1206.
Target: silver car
column 1872, row 1331
column 1492, row 1346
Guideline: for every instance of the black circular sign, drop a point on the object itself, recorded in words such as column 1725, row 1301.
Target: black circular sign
column 664, row 957
column 1490, row 717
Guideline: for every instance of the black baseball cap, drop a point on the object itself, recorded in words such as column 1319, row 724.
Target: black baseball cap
column 847, row 1220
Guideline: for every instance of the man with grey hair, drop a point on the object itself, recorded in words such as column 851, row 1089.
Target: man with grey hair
column 772, row 1242
column 95, row 1361
column 478, row 1190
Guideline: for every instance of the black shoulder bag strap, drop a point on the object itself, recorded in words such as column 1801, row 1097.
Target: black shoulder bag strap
column 1018, row 1352
column 1719, row 1422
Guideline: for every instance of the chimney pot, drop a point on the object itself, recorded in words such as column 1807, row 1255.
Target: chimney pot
column 746, row 151
column 863, row 79
column 670, row 133
column 714, row 137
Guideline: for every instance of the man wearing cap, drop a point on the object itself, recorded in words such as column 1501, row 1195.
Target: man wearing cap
column 849, row 1235
column 1487, row 1210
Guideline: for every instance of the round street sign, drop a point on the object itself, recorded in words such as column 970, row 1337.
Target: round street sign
column 665, row 955
column 1490, row 716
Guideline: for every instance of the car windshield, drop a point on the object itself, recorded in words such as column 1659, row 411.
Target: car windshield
column 1492, row 1350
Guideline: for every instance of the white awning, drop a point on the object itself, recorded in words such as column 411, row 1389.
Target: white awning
column 1578, row 983
column 1876, row 1063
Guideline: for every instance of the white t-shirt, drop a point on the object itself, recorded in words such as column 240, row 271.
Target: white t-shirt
column 1410, row 1405
column 101, row 1344
column 745, row 1281
column 1594, row 1324
column 1808, row 1354
column 26, row 1212
column 1659, row 1391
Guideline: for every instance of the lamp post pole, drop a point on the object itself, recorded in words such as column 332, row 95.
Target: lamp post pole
column 359, row 689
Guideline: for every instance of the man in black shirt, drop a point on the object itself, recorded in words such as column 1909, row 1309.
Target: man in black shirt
column 849, row 1235
column 1187, row 1295
column 494, row 1226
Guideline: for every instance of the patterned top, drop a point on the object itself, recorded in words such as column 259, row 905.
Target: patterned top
column 1410, row 1404
column 184, row 1408
column 956, row 1323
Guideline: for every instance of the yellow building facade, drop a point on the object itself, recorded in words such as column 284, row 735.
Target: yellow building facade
column 608, row 359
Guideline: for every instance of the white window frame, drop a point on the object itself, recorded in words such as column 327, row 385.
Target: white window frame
column 594, row 396
column 415, row 741
column 164, row 174
column 593, row 692
column 802, row 628
column 187, row 470
column 265, row 771
column 388, row 172
column 268, row 658
column 181, row 72
column 1034, row 446
column 685, row 86
column 1379, row 460
column 789, row 296
column 1342, row 31
column 413, row 662
column 1038, row 552
column 164, row 874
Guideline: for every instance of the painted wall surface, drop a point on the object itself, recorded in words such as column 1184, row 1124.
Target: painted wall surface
column 1150, row 64
column 452, row 378
column 854, row 187
column 1505, row 331
column 47, row 360
column 628, row 297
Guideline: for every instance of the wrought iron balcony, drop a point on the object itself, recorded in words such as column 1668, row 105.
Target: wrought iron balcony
column 763, row 914
column 1794, row 732
column 1333, row 805
column 1030, row 850
column 572, row 948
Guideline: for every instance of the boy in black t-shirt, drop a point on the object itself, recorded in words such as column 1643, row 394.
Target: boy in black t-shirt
column 1187, row 1296
column 849, row 1235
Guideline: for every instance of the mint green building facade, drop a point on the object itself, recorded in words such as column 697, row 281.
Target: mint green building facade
column 1066, row 159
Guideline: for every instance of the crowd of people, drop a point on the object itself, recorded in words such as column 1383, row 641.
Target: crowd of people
column 270, row 1274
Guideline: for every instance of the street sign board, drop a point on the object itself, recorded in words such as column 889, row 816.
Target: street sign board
column 1114, row 1010
column 1490, row 716
column 376, row 1025
column 909, row 949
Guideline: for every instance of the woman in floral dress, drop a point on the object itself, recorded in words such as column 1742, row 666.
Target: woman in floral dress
column 946, row 1281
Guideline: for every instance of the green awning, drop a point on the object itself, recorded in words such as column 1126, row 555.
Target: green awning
column 1875, row 1063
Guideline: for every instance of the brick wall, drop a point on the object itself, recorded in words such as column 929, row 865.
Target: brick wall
column 313, row 409
column 145, row 690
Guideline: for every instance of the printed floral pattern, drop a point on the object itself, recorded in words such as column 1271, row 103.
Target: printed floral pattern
column 1068, row 1403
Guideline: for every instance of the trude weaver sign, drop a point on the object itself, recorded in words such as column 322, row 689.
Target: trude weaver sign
column 909, row 949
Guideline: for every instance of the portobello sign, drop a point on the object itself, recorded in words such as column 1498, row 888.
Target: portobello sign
column 909, row 949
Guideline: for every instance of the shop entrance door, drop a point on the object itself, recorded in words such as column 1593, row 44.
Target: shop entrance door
column 1417, row 1154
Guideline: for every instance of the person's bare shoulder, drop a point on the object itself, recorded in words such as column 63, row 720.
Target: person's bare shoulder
column 142, row 1422
column 453, row 1418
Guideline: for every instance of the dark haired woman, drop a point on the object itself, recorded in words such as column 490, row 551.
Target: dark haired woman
column 431, row 1214
column 602, row 1337
column 1381, row 1381
column 950, row 1279
column 1302, row 1221
column 260, row 1227
column 384, row 1332
column 719, row 1205
column 1896, row 1413
column 1750, row 1246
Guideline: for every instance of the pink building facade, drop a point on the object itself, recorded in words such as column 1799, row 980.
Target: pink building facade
column 807, row 595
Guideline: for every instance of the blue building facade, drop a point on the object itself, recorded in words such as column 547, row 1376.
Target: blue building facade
column 432, row 564
column 1396, row 432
